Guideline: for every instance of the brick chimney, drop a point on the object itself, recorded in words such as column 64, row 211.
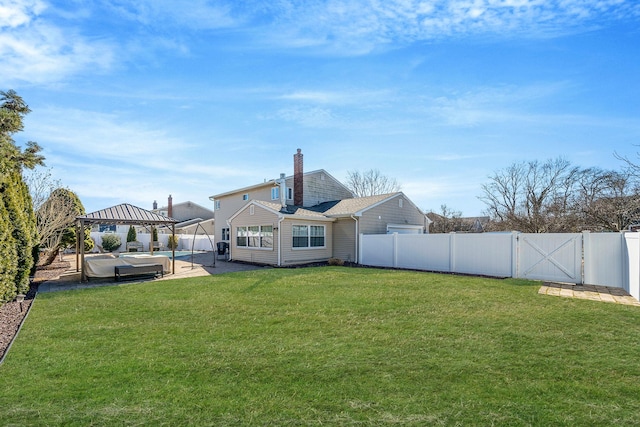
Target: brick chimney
column 170, row 207
column 298, row 172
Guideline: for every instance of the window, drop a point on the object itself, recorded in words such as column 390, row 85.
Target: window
column 216, row 204
column 289, row 193
column 225, row 234
column 400, row 202
column 245, row 196
column 252, row 210
column 255, row 236
column 241, row 239
column 275, row 193
column 308, row 236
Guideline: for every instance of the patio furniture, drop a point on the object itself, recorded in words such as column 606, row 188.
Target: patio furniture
column 135, row 247
column 222, row 249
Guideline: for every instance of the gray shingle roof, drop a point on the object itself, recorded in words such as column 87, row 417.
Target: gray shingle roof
column 357, row 204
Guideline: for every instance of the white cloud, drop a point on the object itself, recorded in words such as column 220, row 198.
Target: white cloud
column 14, row 13
column 361, row 26
column 35, row 51
column 197, row 14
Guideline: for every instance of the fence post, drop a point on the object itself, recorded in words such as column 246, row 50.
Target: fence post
column 452, row 252
column 395, row 250
column 515, row 253
column 586, row 258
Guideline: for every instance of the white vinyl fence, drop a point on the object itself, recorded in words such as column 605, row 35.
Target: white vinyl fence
column 607, row 259
column 186, row 242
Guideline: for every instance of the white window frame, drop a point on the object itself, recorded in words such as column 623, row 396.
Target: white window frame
column 245, row 196
column 289, row 193
column 216, row 205
column 309, row 236
column 257, row 237
column 275, row 193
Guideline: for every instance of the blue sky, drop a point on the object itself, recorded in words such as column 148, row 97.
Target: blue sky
column 134, row 100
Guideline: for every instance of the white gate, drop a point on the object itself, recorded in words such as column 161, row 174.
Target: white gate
column 550, row 256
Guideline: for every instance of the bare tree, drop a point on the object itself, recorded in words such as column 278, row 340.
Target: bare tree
column 55, row 212
column 371, row 183
column 531, row 197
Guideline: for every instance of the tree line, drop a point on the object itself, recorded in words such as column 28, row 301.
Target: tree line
column 554, row 196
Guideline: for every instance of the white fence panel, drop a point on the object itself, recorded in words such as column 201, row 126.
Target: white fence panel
column 604, row 259
column 377, row 249
column 489, row 254
column 550, row 256
column 423, row 252
column 632, row 247
column 197, row 243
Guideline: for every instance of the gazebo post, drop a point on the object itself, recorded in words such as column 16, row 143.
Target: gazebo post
column 77, row 247
column 151, row 242
column 173, row 248
column 83, row 274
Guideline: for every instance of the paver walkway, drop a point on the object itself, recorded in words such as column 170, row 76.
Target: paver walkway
column 590, row 292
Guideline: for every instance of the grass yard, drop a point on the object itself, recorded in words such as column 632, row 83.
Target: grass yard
column 323, row 346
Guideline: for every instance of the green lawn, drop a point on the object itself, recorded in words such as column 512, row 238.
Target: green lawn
column 323, row 346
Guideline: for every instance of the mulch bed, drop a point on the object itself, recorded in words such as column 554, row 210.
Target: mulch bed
column 12, row 314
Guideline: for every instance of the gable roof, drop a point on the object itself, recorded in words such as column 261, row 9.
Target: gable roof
column 357, row 205
column 124, row 214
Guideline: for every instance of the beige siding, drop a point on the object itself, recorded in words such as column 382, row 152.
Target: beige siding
column 375, row 220
column 320, row 187
column 291, row 256
column 260, row 216
column 344, row 239
column 230, row 204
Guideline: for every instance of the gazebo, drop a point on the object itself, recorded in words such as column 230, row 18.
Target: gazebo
column 120, row 214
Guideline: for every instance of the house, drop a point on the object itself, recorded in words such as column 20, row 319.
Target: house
column 309, row 217
column 192, row 218
column 270, row 233
column 313, row 188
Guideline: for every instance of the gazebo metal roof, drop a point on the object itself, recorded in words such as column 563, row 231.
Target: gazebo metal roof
column 120, row 214
column 125, row 214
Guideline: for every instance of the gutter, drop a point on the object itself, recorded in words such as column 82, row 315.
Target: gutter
column 280, row 240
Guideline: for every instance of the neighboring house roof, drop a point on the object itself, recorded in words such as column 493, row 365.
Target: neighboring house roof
column 192, row 221
column 124, row 214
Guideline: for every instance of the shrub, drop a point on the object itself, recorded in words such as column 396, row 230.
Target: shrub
column 131, row 234
column 336, row 261
column 111, row 242
column 173, row 241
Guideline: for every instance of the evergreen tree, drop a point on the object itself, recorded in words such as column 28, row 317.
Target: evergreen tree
column 16, row 212
column 8, row 254
column 16, row 208
column 131, row 234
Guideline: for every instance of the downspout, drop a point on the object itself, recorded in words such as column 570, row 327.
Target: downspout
column 230, row 239
column 357, row 239
column 280, row 241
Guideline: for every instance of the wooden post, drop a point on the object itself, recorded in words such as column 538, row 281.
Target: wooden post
column 173, row 248
column 83, row 275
